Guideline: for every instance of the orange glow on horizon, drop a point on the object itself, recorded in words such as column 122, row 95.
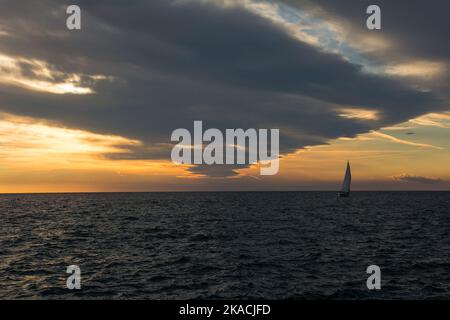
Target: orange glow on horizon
column 39, row 156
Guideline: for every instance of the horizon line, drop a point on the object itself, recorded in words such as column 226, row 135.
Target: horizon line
column 207, row 191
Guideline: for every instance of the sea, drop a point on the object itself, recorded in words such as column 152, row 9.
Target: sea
column 225, row 245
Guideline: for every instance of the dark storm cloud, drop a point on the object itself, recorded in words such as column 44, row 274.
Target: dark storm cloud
column 173, row 62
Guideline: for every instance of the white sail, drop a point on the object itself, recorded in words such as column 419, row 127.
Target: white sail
column 347, row 180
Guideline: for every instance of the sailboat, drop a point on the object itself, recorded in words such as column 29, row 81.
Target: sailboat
column 345, row 190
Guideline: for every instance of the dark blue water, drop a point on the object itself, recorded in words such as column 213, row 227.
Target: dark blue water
column 294, row 245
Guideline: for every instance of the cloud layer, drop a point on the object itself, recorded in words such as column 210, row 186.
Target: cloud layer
column 418, row 179
column 154, row 66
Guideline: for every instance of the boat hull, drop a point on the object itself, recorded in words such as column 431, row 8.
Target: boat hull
column 344, row 194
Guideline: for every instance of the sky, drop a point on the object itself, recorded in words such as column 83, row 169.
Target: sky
column 92, row 110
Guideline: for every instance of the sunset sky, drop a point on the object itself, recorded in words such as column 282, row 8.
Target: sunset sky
column 93, row 110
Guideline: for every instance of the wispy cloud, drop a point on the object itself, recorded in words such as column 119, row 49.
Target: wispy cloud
column 402, row 141
column 24, row 138
column 356, row 113
column 37, row 75
column 427, row 69
column 441, row 120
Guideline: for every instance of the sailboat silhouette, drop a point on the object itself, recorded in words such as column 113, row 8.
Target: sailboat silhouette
column 345, row 190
